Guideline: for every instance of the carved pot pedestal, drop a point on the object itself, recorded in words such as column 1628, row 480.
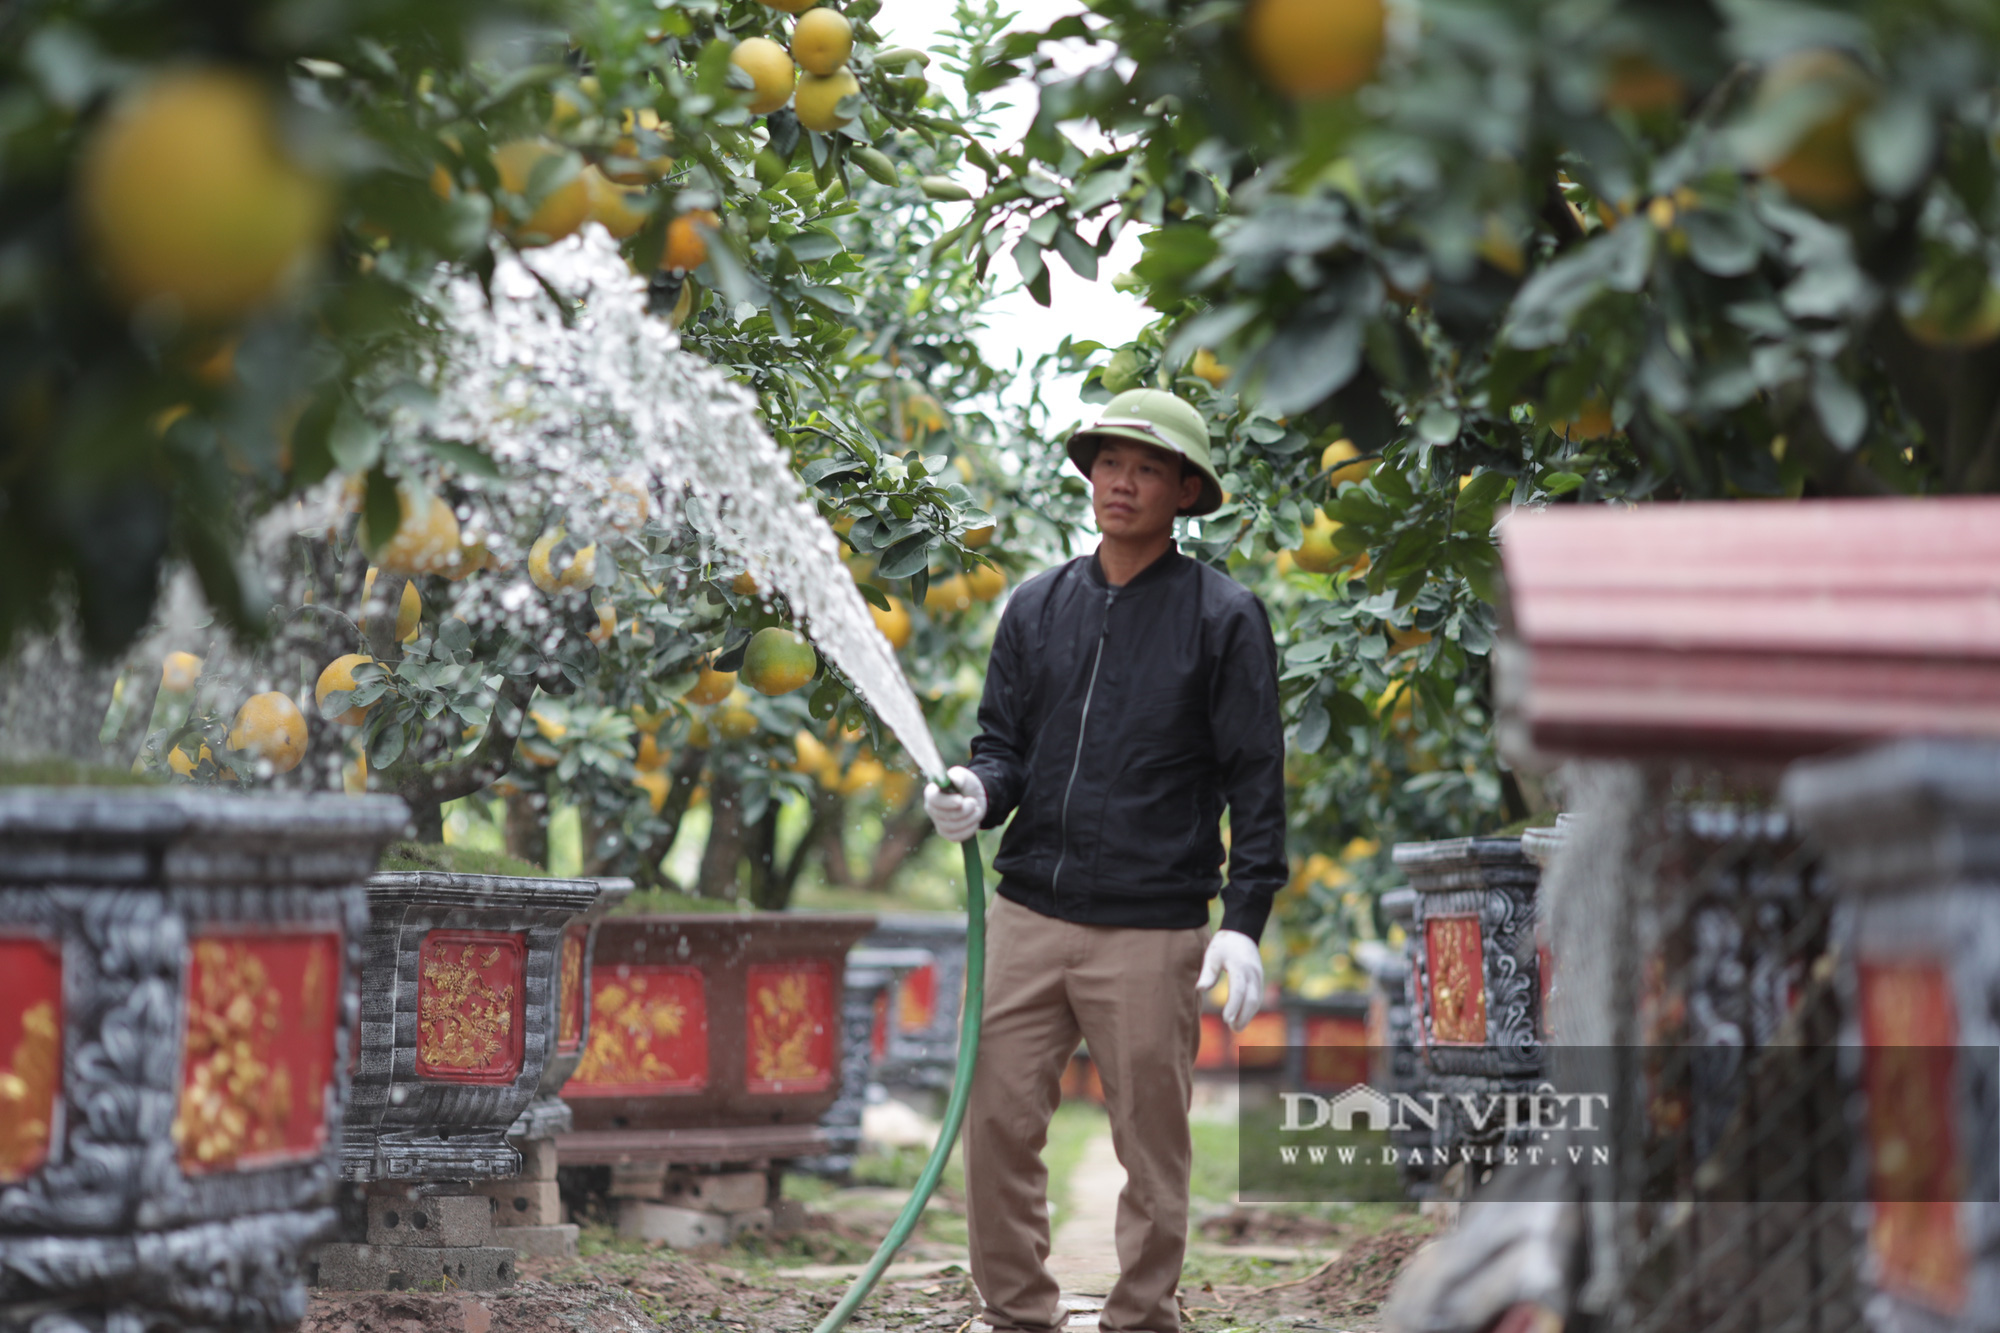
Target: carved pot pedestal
column 1474, row 959
column 178, row 981
column 917, row 1035
column 870, row 987
column 459, row 1020
column 1911, row 838
column 715, row 1047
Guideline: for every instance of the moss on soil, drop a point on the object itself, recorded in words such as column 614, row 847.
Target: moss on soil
column 50, row 771
column 455, row 859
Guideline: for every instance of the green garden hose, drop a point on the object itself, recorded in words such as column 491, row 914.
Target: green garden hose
column 954, row 1107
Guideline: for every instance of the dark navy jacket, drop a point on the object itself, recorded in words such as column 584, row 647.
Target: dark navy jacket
column 1117, row 723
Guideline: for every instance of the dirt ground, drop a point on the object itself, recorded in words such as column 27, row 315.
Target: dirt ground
column 1248, row 1269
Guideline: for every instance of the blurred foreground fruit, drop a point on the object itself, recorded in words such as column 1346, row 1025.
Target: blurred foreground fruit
column 339, row 675
column 579, row 571
column 985, row 583
column 1315, row 48
column 620, row 210
column 687, row 247
column 186, row 192
column 426, row 540
column 1828, row 92
column 894, row 623
column 1317, row 554
column 1338, row 461
column 778, row 661
column 734, row 721
column 179, row 672
column 270, row 728
column 947, row 595
column 1205, row 366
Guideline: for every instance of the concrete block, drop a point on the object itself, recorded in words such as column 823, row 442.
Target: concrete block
column 346, row 1267
column 554, row 1242
column 523, row 1203
column 749, row 1222
column 538, row 1158
column 718, row 1192
column 788, row 1217
column 678, row 1228
column 638, row 1180
column 430, row 1220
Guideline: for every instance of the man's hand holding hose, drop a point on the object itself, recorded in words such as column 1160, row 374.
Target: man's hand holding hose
column 956, row 814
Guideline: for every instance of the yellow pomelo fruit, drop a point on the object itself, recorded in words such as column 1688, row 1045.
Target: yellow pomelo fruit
column 744, row 584
column 426, row 540
column 947, row 595
column 607, row 624
column 620, row 211
column 560, row 212
column 1940, row 317
column 863, row 774
column 183, row 764
column 770, row 70
column 537, row 753
column 778, row 661
column 712, row 688
column 894, row 623
column 978, row 537
column 813, row 756
column 472, row 557
column 628, row 506
column 1591, row 422
column 818, row 99
column 179, row 671
column 354, row 774
column 1315, row 48
column 822, row 40
column 1205, row 366
column 687, row 243
column 898, row 787
column 579, row 571
column 655, row 786
column 651, row 756
column 409, row 614
column 1338, row 462
column 339, row 675
column 735, row 722
column 1317, row 553
column 185, row 192
column 1634, row 81
column 1819, row 168
column 1396, row 700
column 269, row 727
column 1406, row 639
column 986, row 582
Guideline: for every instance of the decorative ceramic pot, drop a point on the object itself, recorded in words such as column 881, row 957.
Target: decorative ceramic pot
column 1475, row 965
column 1541, row 845
column 918, row 1044
column 178, row 981
column 548, row 1114
column 1911, row 836
column 458, row 1020
column 714, row 1038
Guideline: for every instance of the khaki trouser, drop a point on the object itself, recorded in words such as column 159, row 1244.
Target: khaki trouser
column 1130, row 994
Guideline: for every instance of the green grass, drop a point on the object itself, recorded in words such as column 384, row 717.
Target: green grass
column 457, row 859
column 56, row 772
column 668, row 900
column 1214, row 1176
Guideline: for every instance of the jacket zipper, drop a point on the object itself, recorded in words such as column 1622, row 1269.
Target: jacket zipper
column 1082, row 725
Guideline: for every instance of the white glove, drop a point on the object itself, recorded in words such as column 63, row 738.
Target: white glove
column 956, row 813
column 1234, row 955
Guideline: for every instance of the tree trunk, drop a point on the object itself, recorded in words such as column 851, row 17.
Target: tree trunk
column 829, row 809
column 768, row 889
column 527, row 828
column 726, row 835
column 647, row 871
column 901, row 836
column 426, row 819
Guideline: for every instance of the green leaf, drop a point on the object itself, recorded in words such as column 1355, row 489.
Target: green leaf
column 468, row 460
column 873, row 595
column 1561, row 483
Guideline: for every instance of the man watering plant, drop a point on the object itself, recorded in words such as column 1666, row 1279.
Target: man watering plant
column 1131, row 696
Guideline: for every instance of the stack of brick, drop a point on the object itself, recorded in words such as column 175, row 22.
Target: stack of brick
column 435, row 1237
column 528, row 1210
column 686, row 1209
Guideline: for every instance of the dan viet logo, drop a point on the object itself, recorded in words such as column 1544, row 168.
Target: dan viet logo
column 1517, row 1115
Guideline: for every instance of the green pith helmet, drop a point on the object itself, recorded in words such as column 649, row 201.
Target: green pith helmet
column 1155, row 417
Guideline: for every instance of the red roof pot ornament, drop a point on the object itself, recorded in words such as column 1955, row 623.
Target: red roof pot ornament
column 1755, row 632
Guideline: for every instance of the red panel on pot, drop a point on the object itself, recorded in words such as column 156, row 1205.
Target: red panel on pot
column 916, row 1000
column 878, row 1031
column 569, row 999
column 31, row 1016
column 1337, row 1053
column 1213, row 1053
column 1261, row 1043
column 262, row 1014
column 1766, row 630
column 1908, row 1025
column 471, row 1005
column 1455, row 960
column 648, row 1032
column 791, row 1026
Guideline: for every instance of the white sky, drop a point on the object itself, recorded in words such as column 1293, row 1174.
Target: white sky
column 1076, row 308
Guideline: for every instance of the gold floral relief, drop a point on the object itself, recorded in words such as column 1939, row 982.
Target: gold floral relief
column 1456, row 961
column 789, row 1042
column 465, row 1022
column 236, row 1100
column 647, row 1031
column 569, row 995
column 28, row 1092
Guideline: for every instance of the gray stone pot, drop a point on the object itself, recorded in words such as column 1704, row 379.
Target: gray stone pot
column 1473, row 956
column 1910, row 834
column 458, row 1020
column 178, row 985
